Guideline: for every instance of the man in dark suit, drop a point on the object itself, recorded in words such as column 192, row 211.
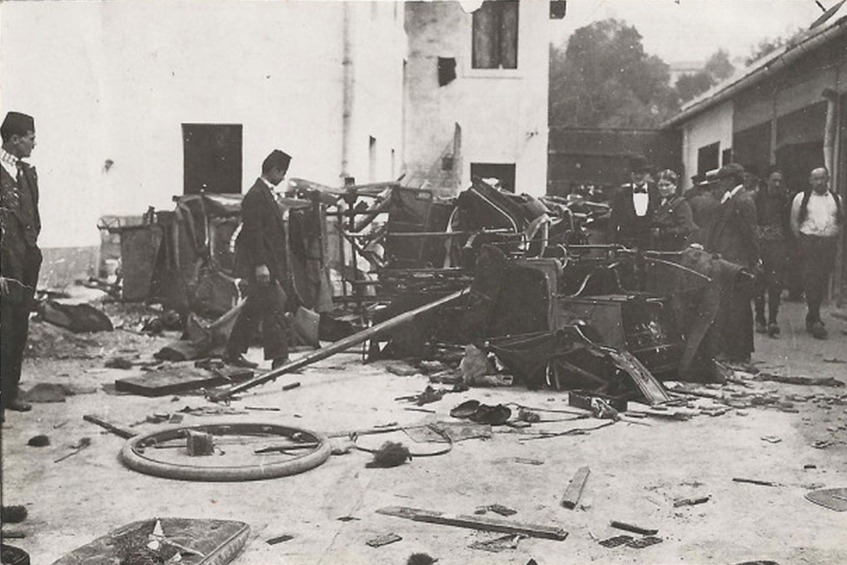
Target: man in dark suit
column 633, row 206
column 261, row 258
column 732, row 235
column 20, row 257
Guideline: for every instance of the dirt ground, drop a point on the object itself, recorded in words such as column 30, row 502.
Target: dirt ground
column 637, row 471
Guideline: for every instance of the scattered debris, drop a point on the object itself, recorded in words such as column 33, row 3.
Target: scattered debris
column 420, row 559
column 476, row 522
column 118, row 363
column 13, row 514
column 526, row 415
column 754, row 482
column 771, row 439
column 280, row 539
column 77, row 447
column 117, row 430
column 266, row 408
column 644, row 542
column 810, row 466
column 347, row 519
column 633, row 528
column 38, row 441
column 527, row 461
column 575, row 488
column 691, row 501
column 180, row 380
column 810, row 381
column 54, row 392
column 77, row 318
column 391, row 454
column 616, row 541
column 482, row 413
column 384, row 539
column 401, row 370
column 499, row 544
column 497, row 509
column 834, row 360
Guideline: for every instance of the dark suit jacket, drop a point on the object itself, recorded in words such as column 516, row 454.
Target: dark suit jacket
column 673, row 220
column 624, row 226
column 20, row 224
column 262, row 240
column 733, row 231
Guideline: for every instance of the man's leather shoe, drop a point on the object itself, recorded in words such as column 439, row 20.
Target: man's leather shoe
column 761, row 328
column 818, row 331
column 19, row 406
column 773, row 330
column 239, row 361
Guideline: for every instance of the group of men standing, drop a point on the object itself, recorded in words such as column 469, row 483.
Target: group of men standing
column 754, row 227
column 261, row 260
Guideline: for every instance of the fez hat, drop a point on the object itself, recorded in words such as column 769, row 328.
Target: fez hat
column 17, row 123
column 639, row 164
column 279, row 158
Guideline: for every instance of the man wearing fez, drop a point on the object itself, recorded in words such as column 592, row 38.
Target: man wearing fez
column 20, row 258
column 732, row 234
column 633, row 206
column 261, row 258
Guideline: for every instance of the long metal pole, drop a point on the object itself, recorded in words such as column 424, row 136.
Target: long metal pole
column 336, row 347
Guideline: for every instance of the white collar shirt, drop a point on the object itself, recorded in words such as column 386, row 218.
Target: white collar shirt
column 640, row 201
column 732, row 193
column 9, row 162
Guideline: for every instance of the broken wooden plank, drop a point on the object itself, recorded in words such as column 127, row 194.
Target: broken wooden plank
column 754, row 482
column 633, row 528
column 117, row 430
column 574, row 490
column 810, row 381
column 379, row 541
column 476, row 522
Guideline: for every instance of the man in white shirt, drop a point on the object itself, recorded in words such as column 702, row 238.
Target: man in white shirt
column 816, row 218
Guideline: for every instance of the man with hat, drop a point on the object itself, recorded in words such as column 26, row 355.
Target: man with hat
column 633, row 207
column 261, row 258
column 732, row 235
column 20, row 257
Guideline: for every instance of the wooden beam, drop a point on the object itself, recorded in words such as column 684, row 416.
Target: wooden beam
column 574, row 490
column 476, row 522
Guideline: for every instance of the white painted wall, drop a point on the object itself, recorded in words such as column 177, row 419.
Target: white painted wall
column 714, row 125
column 115, row 80
column 503, row 113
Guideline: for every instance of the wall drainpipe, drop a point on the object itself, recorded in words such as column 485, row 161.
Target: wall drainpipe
column 349, row 82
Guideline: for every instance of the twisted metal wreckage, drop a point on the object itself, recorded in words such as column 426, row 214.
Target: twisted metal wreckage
column 517, row 276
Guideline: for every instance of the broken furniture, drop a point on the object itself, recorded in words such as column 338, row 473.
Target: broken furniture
column 159, row 540
column 163, row 454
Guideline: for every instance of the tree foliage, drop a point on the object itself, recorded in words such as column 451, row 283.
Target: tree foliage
column 717, row 68
column 603, row 78
column 766, row 46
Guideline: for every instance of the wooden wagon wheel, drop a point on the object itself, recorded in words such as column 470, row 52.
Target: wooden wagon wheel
column 163, row 453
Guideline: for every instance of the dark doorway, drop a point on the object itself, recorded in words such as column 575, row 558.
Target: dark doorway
column 504, row 172
column 212, row 158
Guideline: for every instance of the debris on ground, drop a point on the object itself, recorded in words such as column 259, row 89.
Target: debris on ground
column 691, row 501
column 831, row 498
column 77, row 447
column 118, row 363
column 54, row 392
column 497, row 509
column 575, row 488
column 280, row 539
column 420, row 559
column 499, row 544
column 13, row 514
column 384, row 539
column 78, row 318
column 754, row 482
column 633, row 528
column 391, row 454
column 38, row 441
column 401, row 370
column 476, row 522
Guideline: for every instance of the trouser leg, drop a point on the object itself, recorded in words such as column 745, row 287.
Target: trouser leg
column 246, row 325
column 275, row 324
column 14, row 328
